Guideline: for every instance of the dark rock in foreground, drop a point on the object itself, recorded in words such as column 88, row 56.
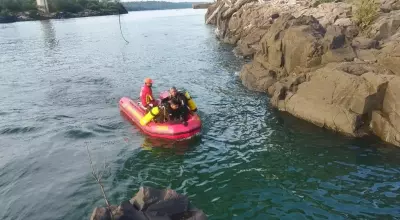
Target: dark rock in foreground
column 152, row 204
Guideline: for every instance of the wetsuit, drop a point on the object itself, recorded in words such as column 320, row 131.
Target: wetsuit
column 180, row 96
column 182, row 99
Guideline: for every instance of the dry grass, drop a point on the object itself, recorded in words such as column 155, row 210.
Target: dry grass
column 367, row 11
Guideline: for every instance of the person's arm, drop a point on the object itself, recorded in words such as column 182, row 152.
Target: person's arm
column 184, row 99
column 150, row 100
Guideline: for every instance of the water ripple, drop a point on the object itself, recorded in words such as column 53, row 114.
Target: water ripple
column 78, row 134
column 18, row 130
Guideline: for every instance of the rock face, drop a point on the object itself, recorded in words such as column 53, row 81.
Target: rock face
column 316, row 64
column 389, row 56
column 334, row 99
column 386, row 122
column 152, row 204
column 385, row 26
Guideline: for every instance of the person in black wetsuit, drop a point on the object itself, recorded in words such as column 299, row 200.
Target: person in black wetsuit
column 178, row 95
column 176, row 112
column 172, row 111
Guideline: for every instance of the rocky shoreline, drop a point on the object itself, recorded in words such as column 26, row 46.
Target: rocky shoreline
column 336, row 65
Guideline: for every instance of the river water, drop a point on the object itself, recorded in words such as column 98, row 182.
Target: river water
column 60, row 82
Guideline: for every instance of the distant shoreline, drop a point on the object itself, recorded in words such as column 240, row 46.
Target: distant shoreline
column 60, row 15
column 126, row 7
column 66, row 11
column 24, row 16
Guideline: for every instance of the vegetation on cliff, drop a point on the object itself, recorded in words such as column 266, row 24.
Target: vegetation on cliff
column 367, row 11
column 365, row 14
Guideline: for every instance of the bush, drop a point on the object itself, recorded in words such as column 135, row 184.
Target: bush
column 366, row 13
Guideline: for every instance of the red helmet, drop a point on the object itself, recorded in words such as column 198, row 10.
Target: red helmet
column 148, row 81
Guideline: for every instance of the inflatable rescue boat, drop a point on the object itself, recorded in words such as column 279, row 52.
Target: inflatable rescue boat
column 136, row 113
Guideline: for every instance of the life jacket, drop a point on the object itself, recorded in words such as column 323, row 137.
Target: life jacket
column 146, row 95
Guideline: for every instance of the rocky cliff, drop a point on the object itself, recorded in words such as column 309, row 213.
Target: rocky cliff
column 336, row 65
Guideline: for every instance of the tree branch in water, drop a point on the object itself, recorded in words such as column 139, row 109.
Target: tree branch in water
column 98, row 177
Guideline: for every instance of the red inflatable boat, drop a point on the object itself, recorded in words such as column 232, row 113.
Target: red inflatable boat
column 135, row 112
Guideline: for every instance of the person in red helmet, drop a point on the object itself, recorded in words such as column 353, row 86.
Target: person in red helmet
column 146, row 94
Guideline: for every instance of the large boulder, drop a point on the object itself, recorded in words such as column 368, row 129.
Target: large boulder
column 301, row 46
column 257, row 77
column 293, row 42
column 334, row 99
column 290, row 43
column 386, row 123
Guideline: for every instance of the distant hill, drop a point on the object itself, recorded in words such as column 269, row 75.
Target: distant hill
column 156, row 5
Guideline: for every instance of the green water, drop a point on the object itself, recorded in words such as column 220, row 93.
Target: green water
column 60, row 83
